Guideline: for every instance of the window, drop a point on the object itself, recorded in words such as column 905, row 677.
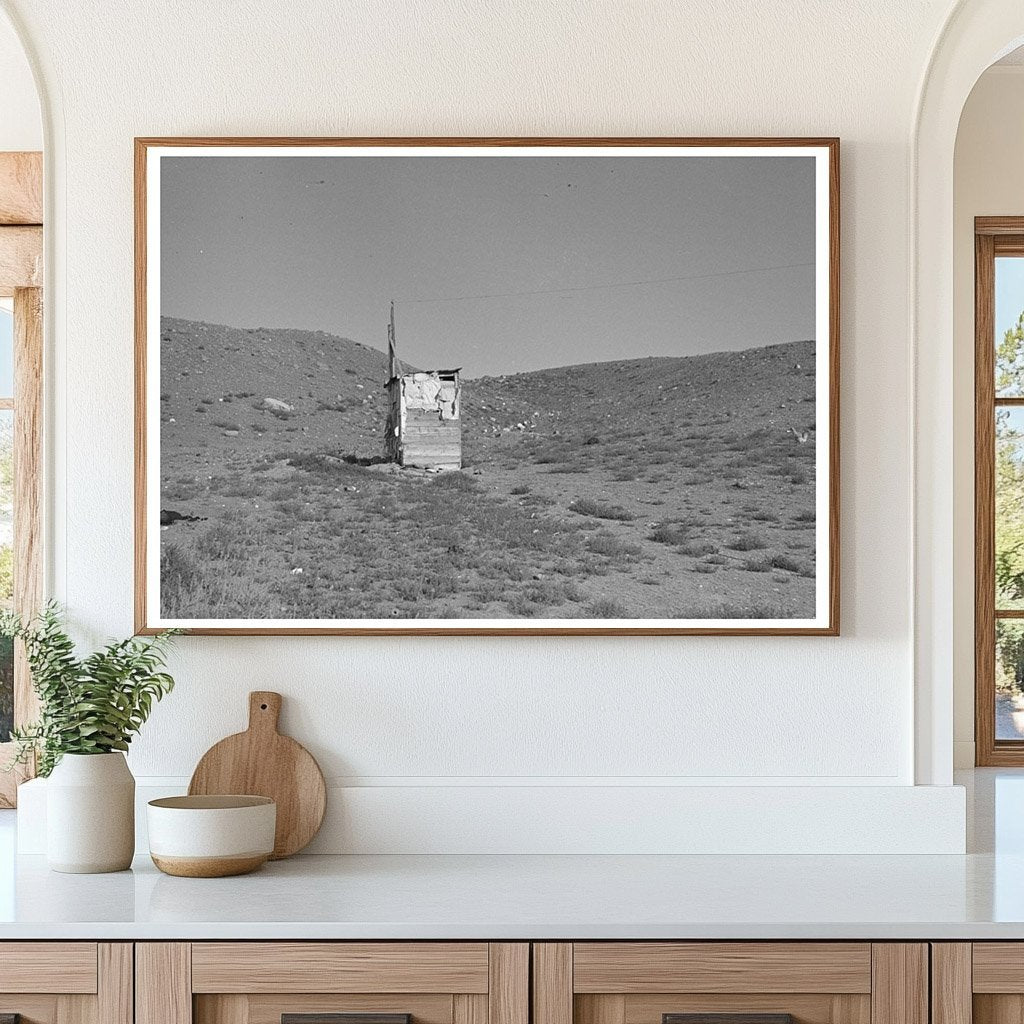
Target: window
column 6, row 510
column 999, row 490
column 20, row 502
column 21, row 365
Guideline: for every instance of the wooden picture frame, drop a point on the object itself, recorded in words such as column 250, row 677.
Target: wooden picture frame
column 816, row 616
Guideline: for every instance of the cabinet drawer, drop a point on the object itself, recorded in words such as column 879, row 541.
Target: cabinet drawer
column 634, row 967
column 65, row 967
column 332, row 983
column 730, row 983
column 340, row 967
column 66, row 982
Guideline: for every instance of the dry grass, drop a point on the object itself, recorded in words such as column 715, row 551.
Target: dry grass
column 648, row 488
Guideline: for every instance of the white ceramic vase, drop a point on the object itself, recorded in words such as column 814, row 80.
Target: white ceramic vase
column 90, row 814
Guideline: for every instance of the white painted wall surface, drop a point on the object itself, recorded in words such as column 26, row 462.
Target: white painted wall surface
column 21, row 127
column 987, row 181
column 433, row 716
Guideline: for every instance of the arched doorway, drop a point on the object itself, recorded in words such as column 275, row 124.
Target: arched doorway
column 976, row 34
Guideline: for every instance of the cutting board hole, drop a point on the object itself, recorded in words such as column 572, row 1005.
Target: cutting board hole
column 263, row 707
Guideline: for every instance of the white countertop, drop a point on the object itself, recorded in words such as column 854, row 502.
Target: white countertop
column 496, row 897
column 977, row 896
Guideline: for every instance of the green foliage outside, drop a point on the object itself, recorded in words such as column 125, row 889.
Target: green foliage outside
column 6, row 688
column 90, row 705
column 6, row 575
column 1009, row 511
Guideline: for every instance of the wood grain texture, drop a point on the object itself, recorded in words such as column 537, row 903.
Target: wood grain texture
column 727, row 1018
column 999, row 226
column 806, row 1008
column 984, row 502
column 208, row 867
column 115, row 995
column 65, row 967
column 163, row 983
column 262, row 762
column 269, row 1008
column 599, row 1009
column 467, row 1009
column 951, row 983
column 21, row 258
column 21, row 188
column 998, row 1009
column 995, row 236
column 633, row 967
column 508, row 993
column 899, row 990
column 143, row 614
column 28, row 483
column 346, row 1018
column 998, row 967
column 31, row 1009
column 76, row 1009
column 304, row 967
column 552, row 983
column 225, row 1009
column 139, row 414
column 10, row 780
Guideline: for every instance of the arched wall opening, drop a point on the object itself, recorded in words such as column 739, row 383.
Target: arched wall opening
column 989, row 154
column 976, row 34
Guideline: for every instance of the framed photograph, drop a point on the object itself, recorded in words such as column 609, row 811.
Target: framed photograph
column 487, row 386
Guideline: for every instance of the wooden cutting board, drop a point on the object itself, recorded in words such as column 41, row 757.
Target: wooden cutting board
column 262, row 762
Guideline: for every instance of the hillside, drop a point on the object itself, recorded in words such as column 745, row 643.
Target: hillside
column 664, row 487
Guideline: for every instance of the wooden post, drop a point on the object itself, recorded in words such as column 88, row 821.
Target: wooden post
column 28, row 484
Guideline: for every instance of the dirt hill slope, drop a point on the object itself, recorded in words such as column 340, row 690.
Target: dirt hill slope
column 647, row 488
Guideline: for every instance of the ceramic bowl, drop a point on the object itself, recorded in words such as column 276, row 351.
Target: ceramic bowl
column 211, row 836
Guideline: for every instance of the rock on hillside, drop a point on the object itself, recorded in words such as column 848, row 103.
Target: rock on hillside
column 228, row 390
column 229, row 387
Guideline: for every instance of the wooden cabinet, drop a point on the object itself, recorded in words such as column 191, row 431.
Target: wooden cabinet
column 66, row 982
column 264, row 982
column 978, row 983
column 754, row 982
column 494, row 983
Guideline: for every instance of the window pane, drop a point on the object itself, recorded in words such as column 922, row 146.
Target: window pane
column 1009, row 524
column 1009, row 327
column 1009, row 679
column 6, row 566
column 6, row 353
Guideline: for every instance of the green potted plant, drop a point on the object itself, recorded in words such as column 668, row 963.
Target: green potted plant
column 90, row 708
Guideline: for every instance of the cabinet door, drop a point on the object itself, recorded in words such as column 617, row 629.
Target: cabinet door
column 981, row 982
column 65, row 983
column 730, row 983
column 332, row 983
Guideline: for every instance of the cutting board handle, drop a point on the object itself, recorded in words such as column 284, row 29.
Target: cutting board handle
column 264, row 710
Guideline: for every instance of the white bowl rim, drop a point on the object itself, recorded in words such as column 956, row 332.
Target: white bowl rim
column 212, row 802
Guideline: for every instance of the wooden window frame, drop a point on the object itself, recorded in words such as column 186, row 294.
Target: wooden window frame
column 21, row 278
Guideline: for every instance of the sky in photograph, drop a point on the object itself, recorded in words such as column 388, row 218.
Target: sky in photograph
column 1009, row 293
column 497, row 264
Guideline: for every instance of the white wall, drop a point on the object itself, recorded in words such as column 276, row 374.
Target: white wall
column 445, row 714
column 21, row 127
column 987, row 181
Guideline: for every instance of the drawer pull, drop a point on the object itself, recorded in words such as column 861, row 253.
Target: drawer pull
column 727, row 1018
column 339, row 1018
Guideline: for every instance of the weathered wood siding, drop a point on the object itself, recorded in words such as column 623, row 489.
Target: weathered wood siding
column 430, row 442
column 424, row 428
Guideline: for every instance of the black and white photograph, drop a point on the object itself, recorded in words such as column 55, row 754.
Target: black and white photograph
column 455, row 387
